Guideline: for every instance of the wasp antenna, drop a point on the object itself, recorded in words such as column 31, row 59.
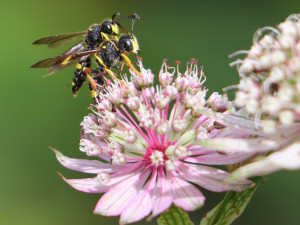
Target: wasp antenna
column 116, row 14
column 134, row 17
column 119, row 25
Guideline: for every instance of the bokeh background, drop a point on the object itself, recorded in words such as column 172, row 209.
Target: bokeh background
column 39, row 112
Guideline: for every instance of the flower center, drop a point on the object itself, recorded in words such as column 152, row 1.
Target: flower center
column 157, row 158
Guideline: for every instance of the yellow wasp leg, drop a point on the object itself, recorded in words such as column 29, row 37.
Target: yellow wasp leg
column 111, row 73
column 107, row 38
column 129, row 64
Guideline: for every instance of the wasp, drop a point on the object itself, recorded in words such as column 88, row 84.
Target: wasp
column 81, row 52
column 107, row 55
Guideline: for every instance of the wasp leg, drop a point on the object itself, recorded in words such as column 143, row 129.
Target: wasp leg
column 111, row 73
column 98, row 79
column 121, row 69
column 129, row 64
column 107, row 38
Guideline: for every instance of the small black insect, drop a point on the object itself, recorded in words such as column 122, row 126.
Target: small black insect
column 81, row 52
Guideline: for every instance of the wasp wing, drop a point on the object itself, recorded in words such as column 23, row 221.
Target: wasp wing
column 59, row 39
column 62, row 61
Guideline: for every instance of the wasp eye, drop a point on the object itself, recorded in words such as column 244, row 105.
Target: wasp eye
column 106, row 27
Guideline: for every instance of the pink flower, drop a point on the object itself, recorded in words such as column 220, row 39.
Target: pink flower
column 269, row 91
column 146, row 140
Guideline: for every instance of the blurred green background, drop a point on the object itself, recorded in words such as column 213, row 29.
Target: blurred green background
column 39, row 112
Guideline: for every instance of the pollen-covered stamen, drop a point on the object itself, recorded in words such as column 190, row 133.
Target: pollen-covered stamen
column 116, row 147
column 89, row 125
column 165, row 77
column 104, row 104
column 146, row 117
column 170, row 165
column 118, row 158
column 181, row 151
column 157, row 158
column 161, row 127
column 103, row 178
column 181, row 83
column 133, row 103
column 109, row 119
column 89, row 148
column 161, row 100
column 286, row 117
column 130, row 136
column 269, row 126
column 171, row 91
column 145, row 80
column 201, row 133
column 179, row 125
column 219, row 102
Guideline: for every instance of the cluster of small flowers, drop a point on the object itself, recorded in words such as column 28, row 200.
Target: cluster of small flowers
column 152, row 142
column 269, row 89
column 270, row 76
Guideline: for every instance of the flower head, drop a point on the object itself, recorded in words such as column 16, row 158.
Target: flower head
column 270, row 76
column 269, row 89
column 149, row 142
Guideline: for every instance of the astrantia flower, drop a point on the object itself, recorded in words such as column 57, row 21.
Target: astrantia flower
column 270, row 76
column 269, row 89
column 148, row 143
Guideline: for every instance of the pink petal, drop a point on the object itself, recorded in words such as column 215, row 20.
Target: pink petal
column 141, row 206
column 86, row 166
column 89, row 185
column 211, row 178
column 219, row 159
column 186, row 195
column 92, row 185
column 113, row 202
column 234, row 145
column 287, row 158
column 162, row 194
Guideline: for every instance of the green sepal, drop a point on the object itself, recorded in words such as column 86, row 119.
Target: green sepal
column 231, row 207
column 174, row 216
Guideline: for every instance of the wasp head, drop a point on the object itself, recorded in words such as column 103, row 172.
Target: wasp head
column 129, row 43
column 110, row 27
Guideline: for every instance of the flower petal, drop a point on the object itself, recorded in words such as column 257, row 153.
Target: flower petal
column 85, row 165
column 89, row 185
column 219, row 159
column 162, row 194
column 141, row 206
column 234, row 145
column 186, row 195
column 113, row 202
column 211, row 178
column 288, row 158
column 93, row 185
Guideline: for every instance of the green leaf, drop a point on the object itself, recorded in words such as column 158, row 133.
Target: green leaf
column 174, row 216
column 231, row 207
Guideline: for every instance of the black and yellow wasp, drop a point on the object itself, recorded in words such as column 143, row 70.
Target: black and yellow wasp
column 107, row 51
